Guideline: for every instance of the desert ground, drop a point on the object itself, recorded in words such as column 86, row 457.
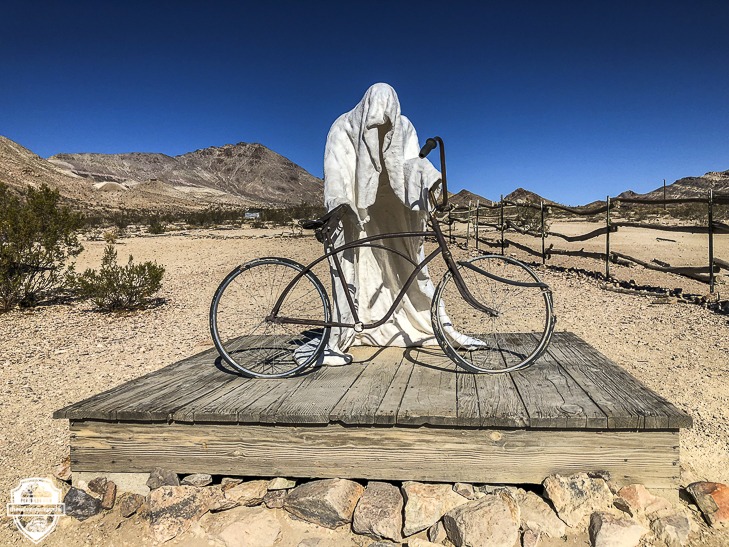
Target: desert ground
column 58, row 354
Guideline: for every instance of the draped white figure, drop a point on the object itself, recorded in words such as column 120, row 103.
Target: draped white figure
column 371, row 164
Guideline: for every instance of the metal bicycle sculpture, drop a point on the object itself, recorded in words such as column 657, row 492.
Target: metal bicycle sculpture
column 271, row 317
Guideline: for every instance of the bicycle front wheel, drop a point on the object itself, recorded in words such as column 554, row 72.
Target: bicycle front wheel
column 510, row 338
column 240, row 318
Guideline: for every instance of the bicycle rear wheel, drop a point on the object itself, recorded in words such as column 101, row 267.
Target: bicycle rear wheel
column 509, row 340
column 245, row 336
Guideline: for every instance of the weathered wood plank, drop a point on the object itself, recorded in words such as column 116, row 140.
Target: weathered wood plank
column 430, row 398
column 316, row 396
column 608, row 388
column 386, row 413
column 376, row 453
column 551, row 397
column 219, row 405
column 160, row 403
column 467, row 408
column 360, row 403
column 104, row 405
column 500, row 404
column 656, row 411
column 263, row 397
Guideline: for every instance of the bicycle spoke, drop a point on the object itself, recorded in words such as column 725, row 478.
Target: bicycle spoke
column 243, row 302
column 483, row 342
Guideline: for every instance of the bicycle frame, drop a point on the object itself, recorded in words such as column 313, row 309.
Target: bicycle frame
column 332, row 252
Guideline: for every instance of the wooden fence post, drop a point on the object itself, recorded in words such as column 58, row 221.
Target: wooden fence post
column 501, row 224
column 478, row 206
column 468, row 225
column 541, row 210
column 607, row 241
column 711, row 241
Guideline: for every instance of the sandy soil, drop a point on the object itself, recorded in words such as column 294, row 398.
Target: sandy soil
column 55, row 355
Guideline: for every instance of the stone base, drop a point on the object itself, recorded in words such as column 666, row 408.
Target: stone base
column 135, row 483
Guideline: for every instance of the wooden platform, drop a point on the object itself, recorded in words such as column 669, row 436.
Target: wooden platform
column 394, row 414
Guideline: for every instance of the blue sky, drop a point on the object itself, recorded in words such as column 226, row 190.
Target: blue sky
column 573, row 100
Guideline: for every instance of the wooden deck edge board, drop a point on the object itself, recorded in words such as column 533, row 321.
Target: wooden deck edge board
column 376, row 453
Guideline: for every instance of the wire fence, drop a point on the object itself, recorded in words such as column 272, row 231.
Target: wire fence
column 507, row 217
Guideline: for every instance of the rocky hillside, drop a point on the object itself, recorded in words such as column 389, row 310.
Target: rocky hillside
column 520, row 194
column 248, row 171
column 689, row 187
column 462, row 199
column 20, row 168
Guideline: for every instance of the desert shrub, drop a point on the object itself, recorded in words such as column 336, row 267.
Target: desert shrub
column 38, row 236
column 156, row 227
column 258, row 224
column 283, row 216
column 530, row 219
column 114, row 287
column 110, row 236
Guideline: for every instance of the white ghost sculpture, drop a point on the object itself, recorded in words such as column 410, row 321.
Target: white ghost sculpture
column 371, row 164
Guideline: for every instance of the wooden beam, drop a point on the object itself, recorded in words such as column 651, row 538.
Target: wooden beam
column 376, row 453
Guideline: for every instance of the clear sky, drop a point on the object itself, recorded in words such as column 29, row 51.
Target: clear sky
column 573, row 100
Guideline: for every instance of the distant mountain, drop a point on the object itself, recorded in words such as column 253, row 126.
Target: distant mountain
column 718, row 181
column 520, row 194
column 249, row 171
column 462, row 198
column 20, row 168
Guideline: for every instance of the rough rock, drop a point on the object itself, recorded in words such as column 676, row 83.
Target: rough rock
column 81, row 505
column 329, row 502
column 218, row 501
column 229, row 482
column 673, row 530
column 98, row 485
column 530, row 538
column 437, row 533
column 109, row 497
column 713, row 500
column 493, row 488
column 274, row 499
column 466, row 490
column 173, row 509
column 197, row 479
column 607, row 530
column 491, row 521
column 248, row 494
column 636, row 500
column 577, row 496
column 129, row 503
column 259, row 529
column 280, row 483
column 162, row 477
column 599, row 474
column 379, row 512
column 63, row 470
column 425, row 504
column 537, row 515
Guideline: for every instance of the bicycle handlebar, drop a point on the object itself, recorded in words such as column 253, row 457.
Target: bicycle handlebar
column 430, row 144
column 428, row 148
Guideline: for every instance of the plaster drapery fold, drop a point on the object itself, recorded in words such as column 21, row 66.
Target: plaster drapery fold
column 371, row 164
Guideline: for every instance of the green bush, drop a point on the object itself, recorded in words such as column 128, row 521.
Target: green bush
column 530, row 219
column 116, row 287
column 156, row 227
column 37, row 238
